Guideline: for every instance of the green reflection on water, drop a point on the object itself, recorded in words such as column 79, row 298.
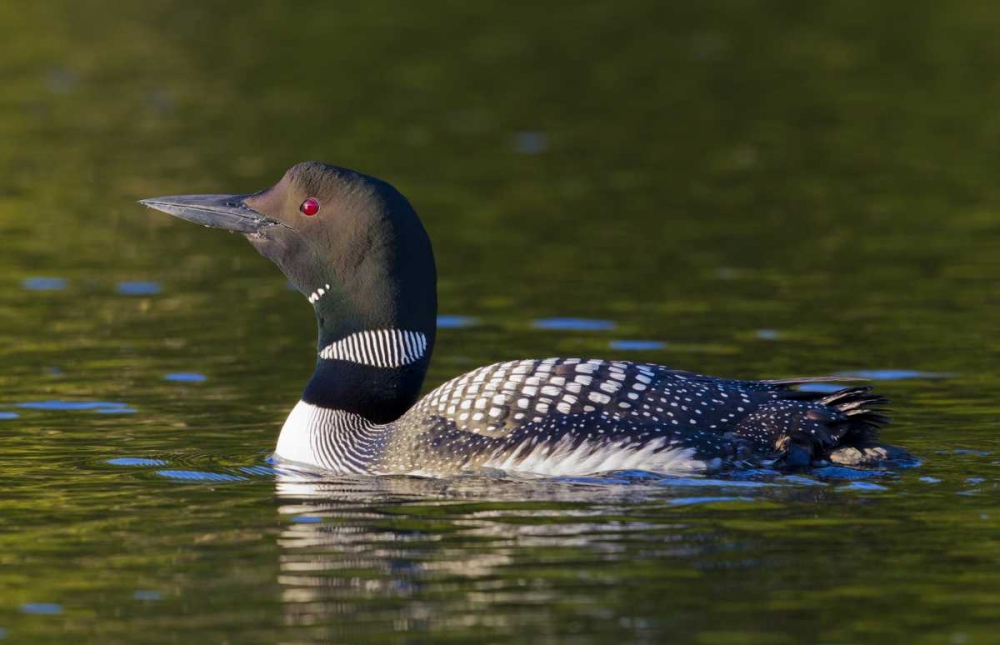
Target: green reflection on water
column 694, row 174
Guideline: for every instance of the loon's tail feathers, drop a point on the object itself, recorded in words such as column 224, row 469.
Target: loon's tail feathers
column 841, row 426
column 865, row 412
column 862, row 410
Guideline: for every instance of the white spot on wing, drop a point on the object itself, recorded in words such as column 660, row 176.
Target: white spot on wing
column 597, row 397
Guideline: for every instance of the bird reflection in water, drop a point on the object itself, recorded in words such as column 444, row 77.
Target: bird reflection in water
column 463, row 552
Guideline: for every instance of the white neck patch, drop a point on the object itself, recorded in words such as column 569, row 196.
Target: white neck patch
column 378, row 348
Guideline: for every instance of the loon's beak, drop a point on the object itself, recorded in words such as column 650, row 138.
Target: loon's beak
column 227, row 212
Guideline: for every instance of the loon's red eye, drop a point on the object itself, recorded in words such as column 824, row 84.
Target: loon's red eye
column 309, row 207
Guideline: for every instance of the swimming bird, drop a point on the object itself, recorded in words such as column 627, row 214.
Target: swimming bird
column 354, row 246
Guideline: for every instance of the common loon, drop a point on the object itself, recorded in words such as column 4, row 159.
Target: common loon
column 354, row 246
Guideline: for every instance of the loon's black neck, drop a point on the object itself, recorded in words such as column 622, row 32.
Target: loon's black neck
column 378, row 394
column 374, row 369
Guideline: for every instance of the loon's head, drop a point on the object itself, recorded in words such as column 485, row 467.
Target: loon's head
column 354, row 246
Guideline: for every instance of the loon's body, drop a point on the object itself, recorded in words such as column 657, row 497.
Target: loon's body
column 354, row 246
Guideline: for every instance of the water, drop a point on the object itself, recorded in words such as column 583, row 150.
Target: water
column 744, row 189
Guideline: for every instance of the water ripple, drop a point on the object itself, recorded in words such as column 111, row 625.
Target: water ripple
column 262, row 471
column 200, row 475
column 455, row 322
column 862, row 486
column 135, row 461
column 839, row 472
column 44, row 284
column 530, row 142
column 637, row 345
column 895, row 375
column 573, row 324
column 721, row 483
column 104, row 407
column 185, row 377
column 41, row 608
column 139, row 288
column 691, row 501
column 820, row 387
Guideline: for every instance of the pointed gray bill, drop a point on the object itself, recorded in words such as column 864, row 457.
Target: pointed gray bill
column 215, row 211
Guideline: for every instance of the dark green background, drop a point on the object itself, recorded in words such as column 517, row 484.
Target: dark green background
column 770, row 188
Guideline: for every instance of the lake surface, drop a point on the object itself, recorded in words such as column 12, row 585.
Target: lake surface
column 745, row 189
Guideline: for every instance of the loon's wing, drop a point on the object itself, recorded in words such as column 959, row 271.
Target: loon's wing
column 574, row 416
column 499, row 413
column 497, row 399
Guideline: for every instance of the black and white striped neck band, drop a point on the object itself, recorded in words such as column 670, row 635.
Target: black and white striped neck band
column 378, row 348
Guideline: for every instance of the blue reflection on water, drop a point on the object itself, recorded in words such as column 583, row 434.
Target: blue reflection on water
column 895, row 375
column 185, row 377
column 690, row 501
column 258, row 470
column 768, row 334
column 44, row 284
column 136, row 461
column 41, row 608
column 307, row 519
column 200, row 475
column 874, row 375
column 638, row 475
column 637, row 345
column 801, row 481
column 105, row 407
column 862, row 486
column 823, row 388
column 755, row 473
column 455, row 322
column 965, row 451
column 139, row 288
column 574, row 324
column 530, row 142
column 146, row 594
column 598, row 480
column 9, row 415
column 722, row 483
column 839, row 472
